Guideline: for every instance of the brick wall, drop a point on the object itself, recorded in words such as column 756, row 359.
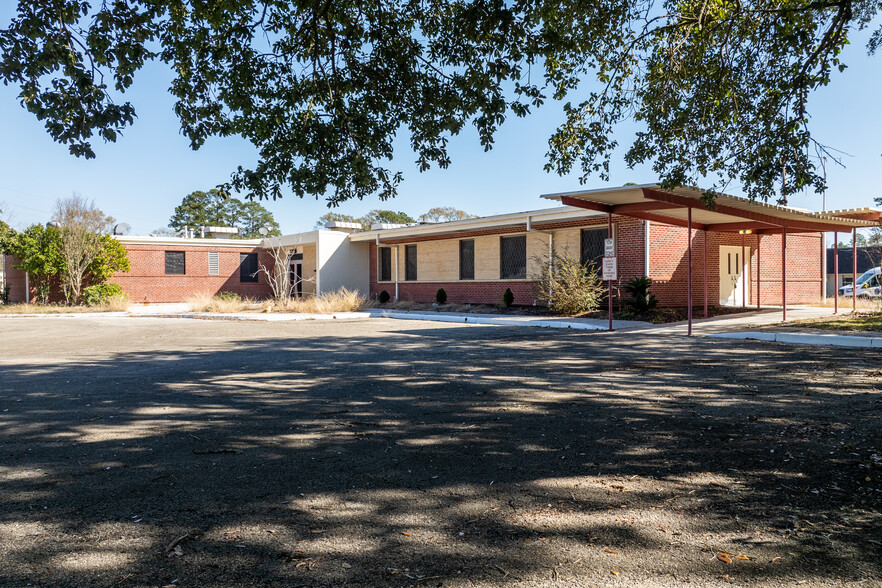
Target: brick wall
column 668, row 266
column 15, row 280
column 147, row 281
column 439, row 262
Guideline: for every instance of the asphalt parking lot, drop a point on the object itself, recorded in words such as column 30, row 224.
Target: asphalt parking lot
column 155, row 452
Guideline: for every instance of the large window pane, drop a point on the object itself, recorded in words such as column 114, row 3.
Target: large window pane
column 247, row 267
column 592, row 246
column 513, row 258
column 174, row 263
column 410, row 262
column 467, row 260
column 385, row 264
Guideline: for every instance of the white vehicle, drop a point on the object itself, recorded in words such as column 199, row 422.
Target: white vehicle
column 868, row 284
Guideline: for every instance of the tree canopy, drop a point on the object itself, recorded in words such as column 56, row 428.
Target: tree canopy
column 441, row 214
column 720, row 89
column 434, row 215
column 213, row 208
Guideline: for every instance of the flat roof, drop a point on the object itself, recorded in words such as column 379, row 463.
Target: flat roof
column 729, row 213
column 186, row 242
column 544, row 215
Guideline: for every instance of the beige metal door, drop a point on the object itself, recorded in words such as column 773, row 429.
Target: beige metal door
column 733, row 276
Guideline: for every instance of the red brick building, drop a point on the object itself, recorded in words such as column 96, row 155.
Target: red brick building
column 736, row 253
column 173, row 269
column 643, row 247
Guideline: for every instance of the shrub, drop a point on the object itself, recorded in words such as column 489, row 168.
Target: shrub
column 101, row 294
column 383, row 298
column 440, row 296
column 508, row 297
column 227, row 296
column 567, row 286
column 641, row 299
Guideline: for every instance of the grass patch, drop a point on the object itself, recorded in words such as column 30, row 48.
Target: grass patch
column 113, row 305
column 845, row 302
column 342, row 300
column 859, row 321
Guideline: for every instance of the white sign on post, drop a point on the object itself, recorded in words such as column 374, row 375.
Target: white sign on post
column 609, row 248
column 609, row 269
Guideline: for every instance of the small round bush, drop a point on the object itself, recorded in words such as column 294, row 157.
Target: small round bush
column 440, row 296
column 101, row 293
column 231, row 296
column 508, row 297
column 383, row 297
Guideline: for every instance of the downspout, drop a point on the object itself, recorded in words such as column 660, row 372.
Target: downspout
column 397, row 247
column 646, row 248
column 27, row 288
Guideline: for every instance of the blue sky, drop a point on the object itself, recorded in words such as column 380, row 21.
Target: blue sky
column 141, row 178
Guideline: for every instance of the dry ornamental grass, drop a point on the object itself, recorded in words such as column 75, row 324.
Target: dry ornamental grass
column 207, row 303
column 342, row 300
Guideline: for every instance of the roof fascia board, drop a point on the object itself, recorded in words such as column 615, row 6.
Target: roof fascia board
column 809, row 221
column 183, row 242
column 537, row 217
column 559, row 195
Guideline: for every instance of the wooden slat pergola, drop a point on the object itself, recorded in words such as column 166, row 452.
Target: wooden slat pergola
column 683, row 207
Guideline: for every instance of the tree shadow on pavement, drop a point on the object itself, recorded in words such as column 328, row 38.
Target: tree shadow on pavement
column 420, row 455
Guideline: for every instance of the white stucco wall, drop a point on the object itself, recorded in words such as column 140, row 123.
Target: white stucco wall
column 342, row 263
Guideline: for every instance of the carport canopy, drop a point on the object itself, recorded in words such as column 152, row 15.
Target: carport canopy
column 730, row 213
column 684, row 207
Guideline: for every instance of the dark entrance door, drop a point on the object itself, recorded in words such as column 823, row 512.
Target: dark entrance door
column 296, row 275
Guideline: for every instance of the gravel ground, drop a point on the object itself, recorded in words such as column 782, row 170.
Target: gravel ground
column 156, row 452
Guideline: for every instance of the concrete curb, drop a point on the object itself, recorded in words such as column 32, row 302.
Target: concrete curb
column 261, row 317
column 477, row 319
column 65, row 315
column 804, row 338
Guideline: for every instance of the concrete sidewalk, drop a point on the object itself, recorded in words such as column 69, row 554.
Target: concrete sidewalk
column 833, row 339
column 747, row 321
column 509, row 320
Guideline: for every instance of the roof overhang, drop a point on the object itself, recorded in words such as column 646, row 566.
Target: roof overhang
column 729, row 214
column 293, row 240
column 518, row 219
column 186, row 242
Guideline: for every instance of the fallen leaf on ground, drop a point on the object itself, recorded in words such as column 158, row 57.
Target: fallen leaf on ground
column 406, row 534
column 744, row 557
column 723, row 557
column 608, row 550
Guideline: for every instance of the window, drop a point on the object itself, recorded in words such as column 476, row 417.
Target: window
column 385, row 264
column 174, row 263
column 247, row 267
column 467, row 260
column 410, row 262
column 592, row 246
column 213, row 263
column 513, row 258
